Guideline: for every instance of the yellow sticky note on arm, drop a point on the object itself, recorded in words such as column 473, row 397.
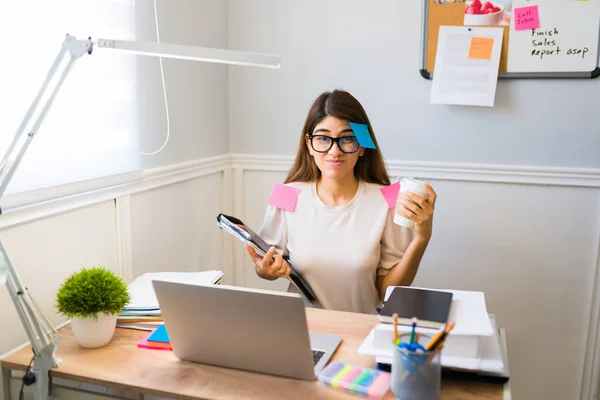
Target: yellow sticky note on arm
column 481, row 48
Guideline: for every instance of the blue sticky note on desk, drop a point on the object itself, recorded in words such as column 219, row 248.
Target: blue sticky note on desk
column 160, row 335
column 361, row 131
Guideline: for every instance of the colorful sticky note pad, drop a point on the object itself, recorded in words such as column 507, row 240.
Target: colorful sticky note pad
column 390, row 194
column 362, row 134
column 284, row 197
column 145, row 343
column 481, row 48
column 159, row 335
column 526, row 18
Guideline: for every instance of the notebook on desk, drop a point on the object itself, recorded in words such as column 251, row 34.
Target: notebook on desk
column 430, row 307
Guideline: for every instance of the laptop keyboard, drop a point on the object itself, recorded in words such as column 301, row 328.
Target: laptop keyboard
column 317, row 354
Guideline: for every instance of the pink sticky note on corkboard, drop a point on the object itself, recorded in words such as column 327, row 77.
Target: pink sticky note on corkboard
column 284, row 197
column 526, row 18
column 390, row 194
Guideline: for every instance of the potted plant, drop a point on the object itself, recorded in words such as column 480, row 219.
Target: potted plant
column 92, row 299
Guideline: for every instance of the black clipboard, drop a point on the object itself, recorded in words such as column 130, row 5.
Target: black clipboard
column 238, row 229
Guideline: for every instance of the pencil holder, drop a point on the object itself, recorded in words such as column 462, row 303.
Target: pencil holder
column 416, row 375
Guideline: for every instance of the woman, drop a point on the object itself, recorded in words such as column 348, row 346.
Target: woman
column 341, row 236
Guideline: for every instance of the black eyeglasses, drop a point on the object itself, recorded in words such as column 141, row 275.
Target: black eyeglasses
column 322, row 143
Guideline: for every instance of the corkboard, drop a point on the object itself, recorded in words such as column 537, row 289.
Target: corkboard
column 451, row 14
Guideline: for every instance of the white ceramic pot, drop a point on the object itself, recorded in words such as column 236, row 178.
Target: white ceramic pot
column 92, row 333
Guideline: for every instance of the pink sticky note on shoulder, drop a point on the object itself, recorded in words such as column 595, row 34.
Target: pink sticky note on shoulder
column 284, row 197
column 390, row 194
column 526, row 18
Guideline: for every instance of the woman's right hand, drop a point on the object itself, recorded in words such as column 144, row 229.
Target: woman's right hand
column 271, row 266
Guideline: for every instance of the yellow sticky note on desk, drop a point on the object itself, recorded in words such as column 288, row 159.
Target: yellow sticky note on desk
column 481, row 48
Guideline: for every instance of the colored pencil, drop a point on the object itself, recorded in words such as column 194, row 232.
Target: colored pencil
column 412, row 332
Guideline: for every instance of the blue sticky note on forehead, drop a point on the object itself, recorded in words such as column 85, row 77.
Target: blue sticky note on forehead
column 361, row 131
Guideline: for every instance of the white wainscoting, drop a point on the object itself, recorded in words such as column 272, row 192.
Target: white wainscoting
column 527, row 237
column 46, row 251
column 149, row 225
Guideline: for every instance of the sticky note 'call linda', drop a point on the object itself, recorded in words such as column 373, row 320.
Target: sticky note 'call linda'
column 526, row 18
column 284, row 197
column 390, row 194
column 481, row 48
column 361, row 131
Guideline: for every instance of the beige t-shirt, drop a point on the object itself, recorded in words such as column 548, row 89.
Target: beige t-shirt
column 339, row 250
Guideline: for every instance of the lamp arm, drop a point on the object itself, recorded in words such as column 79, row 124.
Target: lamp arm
column 37, row 110
column 40, row 332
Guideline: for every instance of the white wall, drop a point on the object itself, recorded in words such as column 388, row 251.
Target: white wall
column 531, row 248
column 372, row 49
column 165, row 223
column 44, row 252
column 173, row 228
column 535, row 264
column 534, row 261
column 196, row 92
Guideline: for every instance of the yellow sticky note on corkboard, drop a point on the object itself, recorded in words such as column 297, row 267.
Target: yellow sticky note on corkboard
column 481, row 48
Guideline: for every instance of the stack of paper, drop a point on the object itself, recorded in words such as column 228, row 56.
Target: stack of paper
column 143, row 311
column 472, row 344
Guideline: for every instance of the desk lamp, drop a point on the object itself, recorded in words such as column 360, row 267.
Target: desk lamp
column 41, row 333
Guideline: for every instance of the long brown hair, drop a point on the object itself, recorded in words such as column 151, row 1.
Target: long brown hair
column 342, row 105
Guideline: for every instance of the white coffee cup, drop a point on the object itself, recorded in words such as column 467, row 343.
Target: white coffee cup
column 409, row 185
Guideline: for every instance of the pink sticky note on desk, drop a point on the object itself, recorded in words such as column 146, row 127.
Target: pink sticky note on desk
column 526, row 18
column 284, row 197
column 390, row 194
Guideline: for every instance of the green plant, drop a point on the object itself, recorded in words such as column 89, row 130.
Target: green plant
column 89, row 292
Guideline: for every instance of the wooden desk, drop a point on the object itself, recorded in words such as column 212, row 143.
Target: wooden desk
column 121, row 364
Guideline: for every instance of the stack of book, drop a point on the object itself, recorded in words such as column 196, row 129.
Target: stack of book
column 143, row 311
column 139, row 318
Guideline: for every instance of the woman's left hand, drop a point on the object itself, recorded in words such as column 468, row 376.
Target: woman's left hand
column 420, row 211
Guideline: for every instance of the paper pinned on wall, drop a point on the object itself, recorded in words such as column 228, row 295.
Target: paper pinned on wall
column 459, row 78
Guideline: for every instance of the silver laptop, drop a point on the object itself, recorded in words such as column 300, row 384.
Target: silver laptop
column 250, row 329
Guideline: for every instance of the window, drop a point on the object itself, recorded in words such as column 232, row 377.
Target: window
column 90, row 130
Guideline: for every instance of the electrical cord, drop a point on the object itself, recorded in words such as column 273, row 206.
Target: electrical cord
column 162, row 77
column 27, row 380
